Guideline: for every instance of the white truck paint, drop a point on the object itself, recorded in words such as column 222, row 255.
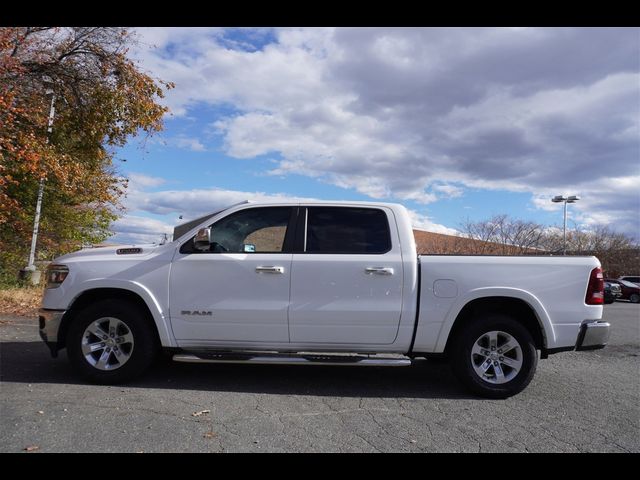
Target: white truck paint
column 211, row 305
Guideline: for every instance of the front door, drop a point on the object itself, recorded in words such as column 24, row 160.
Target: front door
column 238, row 289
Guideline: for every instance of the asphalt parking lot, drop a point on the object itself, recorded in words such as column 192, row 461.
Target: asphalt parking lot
column 578, row 402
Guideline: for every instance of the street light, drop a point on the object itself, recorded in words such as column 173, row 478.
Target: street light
column 565, row 200
column 30, row 270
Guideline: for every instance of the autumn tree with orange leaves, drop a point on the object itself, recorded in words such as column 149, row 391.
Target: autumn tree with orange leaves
column 101, row 100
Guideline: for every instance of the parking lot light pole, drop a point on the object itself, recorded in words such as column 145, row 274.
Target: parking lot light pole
column 565, row 200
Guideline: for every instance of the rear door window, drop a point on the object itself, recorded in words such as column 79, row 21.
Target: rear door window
column 347, row 230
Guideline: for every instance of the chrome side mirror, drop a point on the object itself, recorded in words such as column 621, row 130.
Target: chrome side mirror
column 202, row 240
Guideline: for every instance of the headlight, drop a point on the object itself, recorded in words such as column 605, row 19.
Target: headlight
column 56, row 275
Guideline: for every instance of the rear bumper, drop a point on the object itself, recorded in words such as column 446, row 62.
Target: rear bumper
column 593, row 335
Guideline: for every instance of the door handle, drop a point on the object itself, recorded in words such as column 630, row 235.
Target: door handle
column 269, row 269
column 378, row 271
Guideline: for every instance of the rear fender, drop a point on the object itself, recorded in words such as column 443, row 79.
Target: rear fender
column 544, row 321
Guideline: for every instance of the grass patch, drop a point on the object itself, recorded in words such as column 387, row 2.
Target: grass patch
column 22, row 301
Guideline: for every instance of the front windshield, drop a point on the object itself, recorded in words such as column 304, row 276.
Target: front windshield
column 628, row 284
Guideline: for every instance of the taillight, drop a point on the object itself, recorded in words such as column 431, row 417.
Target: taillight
column 595, row 289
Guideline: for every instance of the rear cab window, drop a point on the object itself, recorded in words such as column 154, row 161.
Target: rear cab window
column 348, row 230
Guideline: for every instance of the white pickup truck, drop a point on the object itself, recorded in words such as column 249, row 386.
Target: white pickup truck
column 328, row 283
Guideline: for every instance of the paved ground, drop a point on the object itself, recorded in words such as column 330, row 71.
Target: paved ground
column 587, row 401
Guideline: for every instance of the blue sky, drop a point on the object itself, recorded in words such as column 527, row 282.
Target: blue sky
column 455, row 124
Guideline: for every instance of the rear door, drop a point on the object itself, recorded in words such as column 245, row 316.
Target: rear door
column 346, row 285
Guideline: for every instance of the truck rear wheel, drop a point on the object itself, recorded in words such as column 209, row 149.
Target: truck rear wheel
column 111, row 342
column 494, row 356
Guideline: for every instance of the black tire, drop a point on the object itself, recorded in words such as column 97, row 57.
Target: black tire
column 141, row 352
column 477, row 331
column 634, row 298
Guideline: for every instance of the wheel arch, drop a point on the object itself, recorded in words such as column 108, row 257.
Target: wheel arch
column 518, row 308
column 87, row 297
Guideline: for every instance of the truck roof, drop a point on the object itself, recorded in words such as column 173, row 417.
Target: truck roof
column 183, row 228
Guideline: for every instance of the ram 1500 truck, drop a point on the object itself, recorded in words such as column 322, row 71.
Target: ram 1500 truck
column 328, row 283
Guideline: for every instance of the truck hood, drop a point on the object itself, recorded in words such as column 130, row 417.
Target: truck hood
column 106, row 253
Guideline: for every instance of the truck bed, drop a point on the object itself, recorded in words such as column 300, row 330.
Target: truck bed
column 553, row 287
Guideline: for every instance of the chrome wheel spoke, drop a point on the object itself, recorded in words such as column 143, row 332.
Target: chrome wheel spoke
column 102, row 363
column 113, row 327
column 89, row 348
column 486, row 365
column 512, row 363
column 507, row 347
column 478, row 350
column 499, row 374
column 493, row 340
column 96, row 330
column 126, row 338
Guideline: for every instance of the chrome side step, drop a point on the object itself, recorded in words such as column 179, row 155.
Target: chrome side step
column 299, row 359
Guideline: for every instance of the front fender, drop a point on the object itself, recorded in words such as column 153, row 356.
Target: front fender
column 160, row 316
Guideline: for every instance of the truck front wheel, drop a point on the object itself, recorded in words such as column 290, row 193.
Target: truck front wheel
column 111, row 342
column 494, row 356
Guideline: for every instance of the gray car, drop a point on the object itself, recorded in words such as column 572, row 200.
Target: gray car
column 612, row 291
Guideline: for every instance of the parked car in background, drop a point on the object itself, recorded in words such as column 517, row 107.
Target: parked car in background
column 612, row 291
column 630, row 291
column 631, row 278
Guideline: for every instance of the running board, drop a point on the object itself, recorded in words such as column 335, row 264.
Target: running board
column 287, row 359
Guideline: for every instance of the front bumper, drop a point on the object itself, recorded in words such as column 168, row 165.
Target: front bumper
column 49, row 322
column 593, row 335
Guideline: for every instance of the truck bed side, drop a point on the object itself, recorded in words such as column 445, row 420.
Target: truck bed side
column 553, row 287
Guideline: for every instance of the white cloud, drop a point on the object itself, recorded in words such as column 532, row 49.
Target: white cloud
column 449, row 191
column 140, row 180
column 423, row 222
column 196, row 202
column 189, row 143
column 136, row 229
column 421, row 113
column 190, row 204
